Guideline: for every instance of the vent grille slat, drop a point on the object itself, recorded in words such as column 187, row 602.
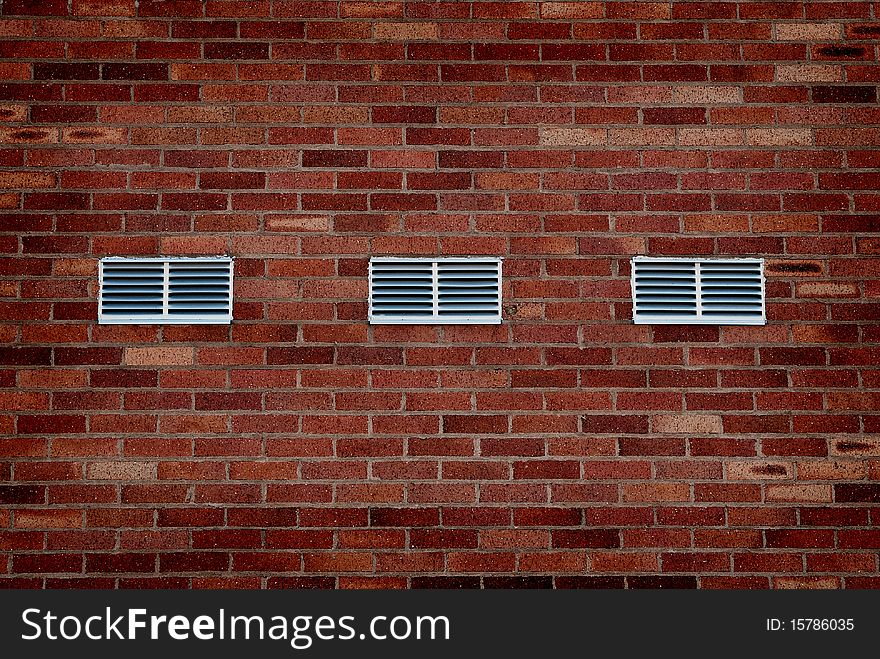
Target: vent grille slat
column 165, row 290
column 698, row 291
column 451, row 290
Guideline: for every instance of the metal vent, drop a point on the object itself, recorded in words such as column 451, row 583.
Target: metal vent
column 458, row 290
column 698, row 291
column 193, row 291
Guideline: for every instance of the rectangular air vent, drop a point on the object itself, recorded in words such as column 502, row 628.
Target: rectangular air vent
column 698, row 291
column 455, row 290
column 191, row 291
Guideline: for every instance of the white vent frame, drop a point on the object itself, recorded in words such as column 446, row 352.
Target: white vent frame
column 163, row 276
column 431, row 274
column 752, row 312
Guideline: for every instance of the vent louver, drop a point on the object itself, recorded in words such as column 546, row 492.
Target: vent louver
column 459, row 290
column 698, row 291
column 165, row 291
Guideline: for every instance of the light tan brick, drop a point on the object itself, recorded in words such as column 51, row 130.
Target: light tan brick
column 19, row 180
column 405, row 31
column 779, row 136
column 710, row 136
column 806, row 583
column 642, row 136
column 808, row 31
column 801, row 492
column 13, row 113
column 863, row 445
column 687, row 423
column 747, row 470
column 808, row 73
column 832, row 289
column 572, row 10
column 831, row 470
column 121, row 471
column 573, row 136
column 28, row 135
column 297, row 223
column 158, row 356
column 702, row 94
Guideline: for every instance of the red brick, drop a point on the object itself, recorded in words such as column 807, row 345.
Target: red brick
column 469, row 139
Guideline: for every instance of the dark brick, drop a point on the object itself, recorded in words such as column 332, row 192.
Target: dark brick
column 26, row 356
column 130, row 71
column 35, row 7
column 120, row 563
column 446, row 583
column 51, row 423
column 842, row 51
column 594, row 538
column 58, row 71
column 300, row 356
column 334, row 158
column 90, row 356
column 22, row 494
column 590, row 582
column 857, row 493
column 493, row 424
column 301, row 583
column 655, row 582
column 237, row 50
column 518, row 582
column 193, row 561
column 844, row 94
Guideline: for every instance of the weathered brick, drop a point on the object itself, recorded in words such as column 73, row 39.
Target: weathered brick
column 563, row 440
column 689, row 423
column 808, row 31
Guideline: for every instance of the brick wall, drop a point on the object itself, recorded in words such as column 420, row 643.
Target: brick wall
column 301, row 447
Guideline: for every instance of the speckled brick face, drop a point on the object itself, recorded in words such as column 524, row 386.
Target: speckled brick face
column 301, row 447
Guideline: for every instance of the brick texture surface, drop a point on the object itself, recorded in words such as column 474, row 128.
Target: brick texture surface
column 301, row 447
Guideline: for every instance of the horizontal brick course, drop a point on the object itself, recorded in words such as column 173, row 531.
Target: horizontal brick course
column 566, row 447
